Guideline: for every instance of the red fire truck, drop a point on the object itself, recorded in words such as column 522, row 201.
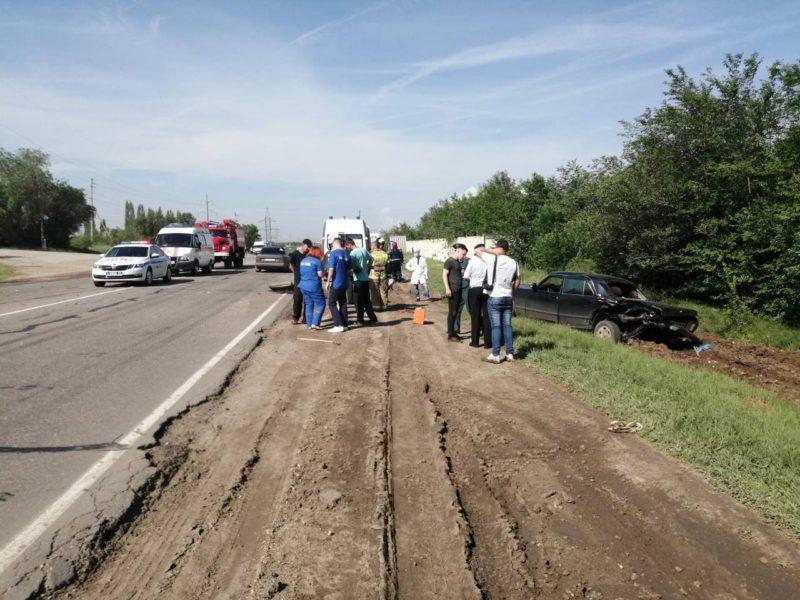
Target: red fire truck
column 228, row 241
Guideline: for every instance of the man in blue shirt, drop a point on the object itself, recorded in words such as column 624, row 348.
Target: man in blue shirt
column 339, row 269
column 362, row 262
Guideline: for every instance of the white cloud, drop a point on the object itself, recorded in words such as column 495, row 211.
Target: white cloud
column 575, row 39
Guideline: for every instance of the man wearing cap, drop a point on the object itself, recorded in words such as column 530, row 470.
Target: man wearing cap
column 475, row 275
column 502, row 279
column 295, row 258
column 451, row 276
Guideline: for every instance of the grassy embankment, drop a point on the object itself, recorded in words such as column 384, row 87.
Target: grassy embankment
column 6, row 271
column 745, row 439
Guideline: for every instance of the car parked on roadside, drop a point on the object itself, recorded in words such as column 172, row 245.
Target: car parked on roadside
column 139, row 262
column 272, row 258
column 610, row 307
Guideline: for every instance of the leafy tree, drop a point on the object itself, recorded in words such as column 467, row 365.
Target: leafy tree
column 250, row 235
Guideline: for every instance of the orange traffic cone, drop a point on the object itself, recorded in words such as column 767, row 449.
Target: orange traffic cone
column 419, row 316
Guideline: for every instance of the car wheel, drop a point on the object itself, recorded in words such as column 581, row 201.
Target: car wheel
column 168, row 275
column 228, row 263
column 608, row 330
column 148, row 277
column 99, row 283
column 193, row 270
column 258, row 269
column 207, row 268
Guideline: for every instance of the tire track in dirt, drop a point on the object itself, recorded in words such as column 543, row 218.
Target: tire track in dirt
column 434, row 537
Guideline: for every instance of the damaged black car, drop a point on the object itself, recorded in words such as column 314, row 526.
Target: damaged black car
column 610, row 307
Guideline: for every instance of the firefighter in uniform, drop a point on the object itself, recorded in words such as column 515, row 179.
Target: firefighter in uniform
column 378, row 286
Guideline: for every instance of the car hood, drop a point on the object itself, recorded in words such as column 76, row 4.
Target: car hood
column 122, row 260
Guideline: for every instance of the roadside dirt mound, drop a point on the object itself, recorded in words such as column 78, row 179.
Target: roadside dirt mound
column 772, row 368
column 386, row 462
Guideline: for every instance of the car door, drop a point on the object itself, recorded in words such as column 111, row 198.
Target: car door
column 576, row 303
column 543, row 301
column 160, row 262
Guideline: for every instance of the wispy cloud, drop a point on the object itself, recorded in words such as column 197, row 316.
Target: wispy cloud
column 584, row 38
column 312, row 34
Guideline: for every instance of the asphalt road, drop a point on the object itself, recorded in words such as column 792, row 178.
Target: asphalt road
column 81, row 366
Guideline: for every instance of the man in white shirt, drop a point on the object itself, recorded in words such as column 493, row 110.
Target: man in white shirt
column 419, row 275
column 475, row 274
column 503, row 277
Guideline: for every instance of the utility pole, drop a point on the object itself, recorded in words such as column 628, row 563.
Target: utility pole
column 268, row 229
column 91, row 197
column 207, row 219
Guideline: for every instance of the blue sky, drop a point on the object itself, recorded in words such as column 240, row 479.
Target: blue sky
column 311, row 109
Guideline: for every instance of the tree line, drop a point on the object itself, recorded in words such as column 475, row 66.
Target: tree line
column 704, row 201
column 32, row 201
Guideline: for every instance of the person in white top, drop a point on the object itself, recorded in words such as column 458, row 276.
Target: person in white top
column 475, row 273
column 503, row 279
column 419, row 275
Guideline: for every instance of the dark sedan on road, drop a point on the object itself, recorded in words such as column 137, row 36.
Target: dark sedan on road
column 272, row 258
column 611, row 307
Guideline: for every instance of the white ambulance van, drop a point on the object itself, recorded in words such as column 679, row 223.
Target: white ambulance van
column 345, row 228
column 190, row 249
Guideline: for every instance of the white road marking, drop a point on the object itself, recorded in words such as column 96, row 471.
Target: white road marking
column 22, row 310
column 14, row 549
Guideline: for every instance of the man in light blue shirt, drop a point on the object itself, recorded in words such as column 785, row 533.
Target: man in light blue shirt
column 362, row 263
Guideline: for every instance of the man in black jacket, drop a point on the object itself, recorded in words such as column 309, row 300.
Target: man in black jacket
column 452, row 277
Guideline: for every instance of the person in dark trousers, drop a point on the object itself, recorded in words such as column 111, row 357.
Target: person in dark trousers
column 395, row 265
column 295, row 258
column 451, row 275
column 476, row 276
column 503, row 278
column 464, row 293
column 362, row 262
column 340, row 268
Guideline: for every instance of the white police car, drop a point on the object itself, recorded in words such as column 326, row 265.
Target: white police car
column 132, row 261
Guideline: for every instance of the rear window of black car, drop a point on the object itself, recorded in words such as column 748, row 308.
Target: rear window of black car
column 577, row 286
column 272, row 250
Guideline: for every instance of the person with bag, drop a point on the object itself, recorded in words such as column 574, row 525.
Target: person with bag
column 501, row 284
column 476, row 276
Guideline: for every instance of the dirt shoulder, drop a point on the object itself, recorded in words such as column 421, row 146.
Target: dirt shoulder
column 45, row 265
column 772, row 368
column 386, row 462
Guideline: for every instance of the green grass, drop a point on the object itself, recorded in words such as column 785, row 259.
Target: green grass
column 6, row 271
column 746, row 440
column 742, row 325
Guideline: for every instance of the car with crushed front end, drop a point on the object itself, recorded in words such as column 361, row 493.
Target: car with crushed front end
column 272, row 258
column 611, row 307
column 132, row 262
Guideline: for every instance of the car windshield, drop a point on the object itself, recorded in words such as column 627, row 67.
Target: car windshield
column 127, row 251
column 269, row 250
column 174, row 240
column 618, row 289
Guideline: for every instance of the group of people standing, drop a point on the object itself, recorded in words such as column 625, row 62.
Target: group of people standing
column 486, row 284
column 350, row 269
